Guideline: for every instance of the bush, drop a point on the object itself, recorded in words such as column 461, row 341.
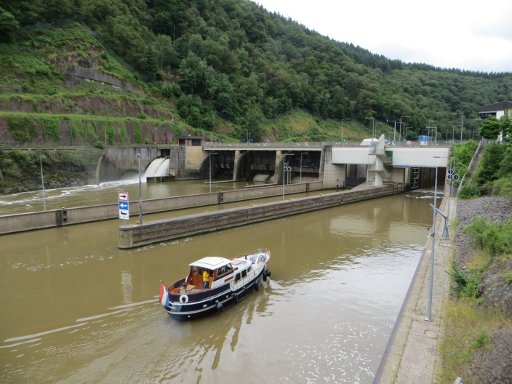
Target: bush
column 170, row 90
column 468, row 192
column 22, row 129
column 481, row 339
column 496, row 238
column 503, row 187
column 466, row 284
column 490, row 164
column 51, row 128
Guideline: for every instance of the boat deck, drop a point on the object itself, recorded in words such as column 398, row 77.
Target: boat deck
column 189, row 289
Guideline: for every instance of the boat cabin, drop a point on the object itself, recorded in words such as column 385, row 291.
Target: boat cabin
column 220, row 271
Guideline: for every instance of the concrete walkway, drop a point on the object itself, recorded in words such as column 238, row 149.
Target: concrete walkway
column 412, row 352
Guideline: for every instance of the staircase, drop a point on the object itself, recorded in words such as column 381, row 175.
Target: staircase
column 381, row 158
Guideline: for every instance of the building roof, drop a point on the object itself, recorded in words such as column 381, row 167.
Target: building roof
column 502, row 106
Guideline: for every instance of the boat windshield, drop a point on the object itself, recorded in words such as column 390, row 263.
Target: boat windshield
column 224, row 271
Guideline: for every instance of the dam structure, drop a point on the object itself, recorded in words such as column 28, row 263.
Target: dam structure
column 333, row 164
column 273, row 169
column 375, row 170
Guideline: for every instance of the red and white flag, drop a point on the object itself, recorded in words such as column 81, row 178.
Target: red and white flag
column 164, row 295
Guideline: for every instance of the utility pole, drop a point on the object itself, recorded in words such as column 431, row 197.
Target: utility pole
column 461, row 126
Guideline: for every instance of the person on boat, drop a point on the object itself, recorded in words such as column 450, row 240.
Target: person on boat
column 206, row 279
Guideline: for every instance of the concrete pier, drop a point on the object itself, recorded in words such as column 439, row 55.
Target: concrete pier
column 131, row 236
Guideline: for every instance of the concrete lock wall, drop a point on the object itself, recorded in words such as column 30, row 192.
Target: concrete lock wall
column 131, row 236
column 67, row 216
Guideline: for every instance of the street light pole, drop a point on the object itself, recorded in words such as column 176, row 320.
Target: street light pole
column 342, row 120
column 300, row 166
column 286, row 168
column 140, row 192
column 373, row 125
column 432, row 253
column 210, row 170
column 461, row 126
column 402, row 117
column 42, row 182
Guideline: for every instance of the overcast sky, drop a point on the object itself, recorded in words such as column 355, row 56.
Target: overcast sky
column 466, row 34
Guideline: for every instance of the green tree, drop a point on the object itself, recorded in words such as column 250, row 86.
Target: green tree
column 506, row 127
column 8, row 25
column 490, row 128
column 489, row 168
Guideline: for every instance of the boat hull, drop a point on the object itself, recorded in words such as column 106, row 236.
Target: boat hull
column 216, row 301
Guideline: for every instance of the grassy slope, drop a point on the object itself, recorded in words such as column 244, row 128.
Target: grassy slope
column 35, row 84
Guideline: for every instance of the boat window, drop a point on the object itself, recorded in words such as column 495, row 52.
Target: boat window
column 224, row 270
column 237, row 277
column 244, row 273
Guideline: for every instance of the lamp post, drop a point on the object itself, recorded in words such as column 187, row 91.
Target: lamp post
column 432, row 253
column 342, row 120
column 461, row 125
column 300, row 166
column 286, row 168
column 402, row 117
column 140, row 192
column 42, row 181
column 373, row 125
column 210, row 169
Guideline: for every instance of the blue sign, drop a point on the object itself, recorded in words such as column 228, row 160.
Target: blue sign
column 124, row 206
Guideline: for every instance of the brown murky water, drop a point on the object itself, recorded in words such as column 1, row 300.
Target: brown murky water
column 105, row 193
column 77, row 309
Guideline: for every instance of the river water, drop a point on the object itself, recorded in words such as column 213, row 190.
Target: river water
column 77, row 309
column 105, row 193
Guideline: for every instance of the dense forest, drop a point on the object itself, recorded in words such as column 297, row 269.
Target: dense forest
column 230, row 65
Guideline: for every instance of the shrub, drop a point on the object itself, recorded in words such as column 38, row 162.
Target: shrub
column 496, row 238
column 468, row 192
column 503, row 187
column 481, row 339
column 123, row 134
column 170, row 90
column 51, row 128
column 137, row 133
column 466, row 284
column 22, row 129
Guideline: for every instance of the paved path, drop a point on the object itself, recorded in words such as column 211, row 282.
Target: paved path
column 412, row 353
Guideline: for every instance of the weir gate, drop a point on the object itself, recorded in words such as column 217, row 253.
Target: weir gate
column 333, row 164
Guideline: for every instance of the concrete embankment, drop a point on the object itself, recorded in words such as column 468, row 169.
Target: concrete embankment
column 131, row 236
column 79, row 215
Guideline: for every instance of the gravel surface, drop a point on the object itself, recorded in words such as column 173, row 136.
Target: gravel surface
column 493, row 363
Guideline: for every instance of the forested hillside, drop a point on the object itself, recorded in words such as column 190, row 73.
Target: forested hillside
column 221, row 66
